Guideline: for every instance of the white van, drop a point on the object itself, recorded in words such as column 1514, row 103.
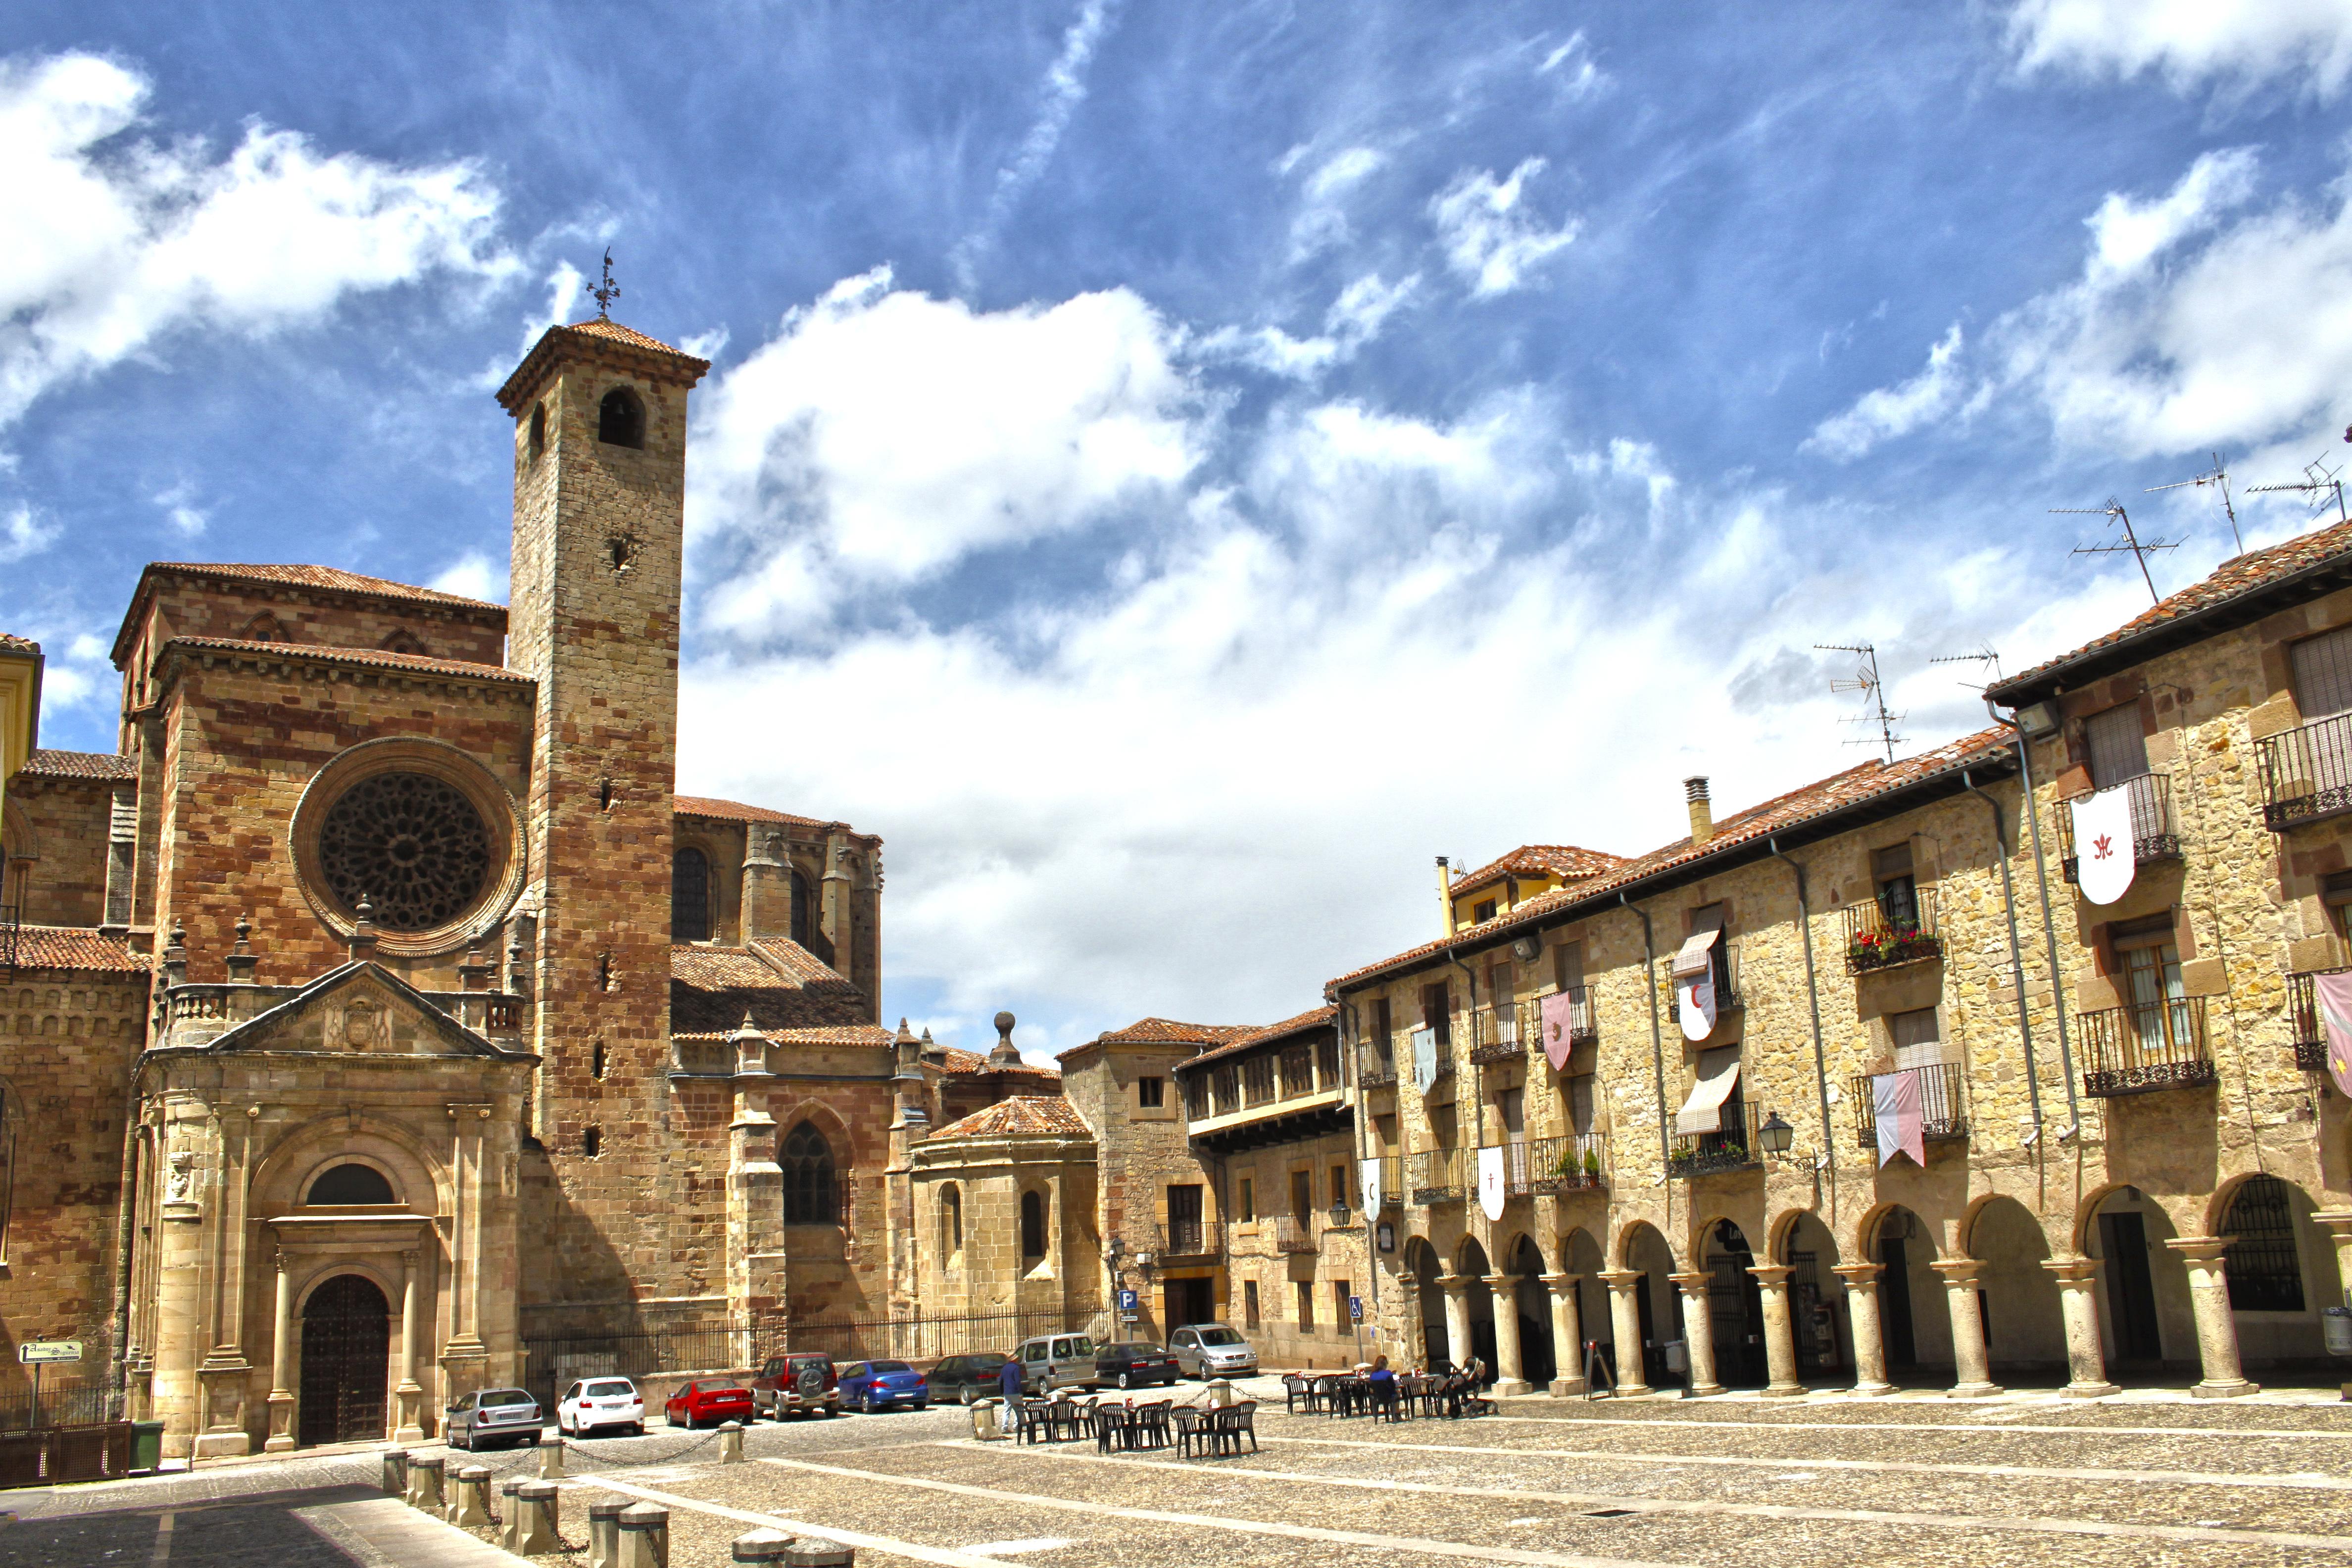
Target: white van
column 1058, row 1360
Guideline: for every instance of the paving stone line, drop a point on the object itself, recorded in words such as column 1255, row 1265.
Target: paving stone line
column 1977, row 1428
column 948, row 1557
column 1242, row 1526
column 1908, row 1467
column 1638, row 1504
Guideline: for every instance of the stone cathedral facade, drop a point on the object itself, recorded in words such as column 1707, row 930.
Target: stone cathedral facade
column 378, row 1007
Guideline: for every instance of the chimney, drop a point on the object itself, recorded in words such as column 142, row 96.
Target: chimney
column 1701, row 814
column 1445, row 898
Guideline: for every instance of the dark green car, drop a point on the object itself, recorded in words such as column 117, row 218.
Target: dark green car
column 966, row 1378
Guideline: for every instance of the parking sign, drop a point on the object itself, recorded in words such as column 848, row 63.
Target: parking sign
column 1127, row 1301
column 1355, row 1309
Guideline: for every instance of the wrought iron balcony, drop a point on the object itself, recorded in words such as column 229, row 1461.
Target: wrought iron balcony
column 1570, row 1163
column 1494, row 1035
column 2306, row 772
column 1736, row 1147
column 1392, row 1181
column 2310, row 1032
column 1190, row 1238
column 1437, row 1176
column 2141, row 1047
column 1378, row 1073
column 2155, row 833
column 1891, row 929
column 1292, row 1233
column 1943, row 1110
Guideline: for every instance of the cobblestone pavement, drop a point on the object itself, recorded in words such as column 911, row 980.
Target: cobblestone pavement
column 1906, row 1480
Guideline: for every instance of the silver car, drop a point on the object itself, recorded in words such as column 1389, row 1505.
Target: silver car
column 1058, row 1360
column 492, row 1415
column 1212, row 1350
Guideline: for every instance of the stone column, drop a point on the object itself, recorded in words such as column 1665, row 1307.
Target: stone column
column 2217, row 1330
column 1457, row 1319
column 465, row 1359
column 1972, row 1367
column 1566, row 1334
column 1416, row 1332
column 408, row 1390
column 1510, row 1370
column 1861, row 1315
column 1625, row 1320
column 1698, row 1330
column 1780, row 1340
column 281, row 1362
column 2086, row 1366
column 2340, row 1230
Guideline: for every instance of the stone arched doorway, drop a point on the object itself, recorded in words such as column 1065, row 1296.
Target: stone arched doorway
column 1478, row 1298
column 1736, row 1305
column 1539, row 1357
column 1420, row 1262
column 346, row 1361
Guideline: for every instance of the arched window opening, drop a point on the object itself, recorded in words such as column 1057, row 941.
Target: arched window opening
column 950, row 1222
column 690, row 895
column 538, row 439
column 591, row 1142
column 2260, row 1261
column 807, row 1162
column 351, row 1183
column 621, row 419
column 1032, row 1226
column 405, row 641
column 800, row 909
column 265, row 627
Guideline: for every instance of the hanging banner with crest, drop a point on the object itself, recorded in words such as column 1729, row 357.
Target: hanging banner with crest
column 1557, row 1020
column 2104, row 855
column 1371, row 1184
column 1490, row 1182
column 2333, row 993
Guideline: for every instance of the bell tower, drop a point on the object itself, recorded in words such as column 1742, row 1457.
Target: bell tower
column 599, row 519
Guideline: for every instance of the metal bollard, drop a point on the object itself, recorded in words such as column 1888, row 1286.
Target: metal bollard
column 395, row 1472
column 762, row 1546
column 510, row 1511
column 604, row 1531
column 539, row 1503
column 731, row 1443
column 645, row 1537
column 816, row 1553
column 550, row 1461
column 469, row 1501
column 425, row 1489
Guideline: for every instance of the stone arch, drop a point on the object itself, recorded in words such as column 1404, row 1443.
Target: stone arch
column 1539, row 1358
column 1820, row 1327
column 2024, row 1324
column 1470, row 1258
column 621, row 417
column 2147, row 1317
column 2280, row 1267
column 1420, row 1261
column 1722, row 1248
column 1523, row 1254
column 305, row 1153
column 1642, row 1250
column 1629, row 1234
column 349, row 1182
column 1914, row 1326
column 1037, row 1222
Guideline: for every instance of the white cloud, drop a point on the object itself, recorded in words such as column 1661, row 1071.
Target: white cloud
column 1064, row 91
column 186, row 518
column 1321, row 223
column 883, row 434
column 115, row 242
column 1491, row 240
column 475, row 576
column 2243, row 43
column 1355, row 318
column 2194, row 323
column 1573, row 70
column 23, row 534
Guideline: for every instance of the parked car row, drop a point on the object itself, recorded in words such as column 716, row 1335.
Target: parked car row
column 808, row 1382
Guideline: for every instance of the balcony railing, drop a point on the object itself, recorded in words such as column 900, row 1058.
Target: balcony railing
column 1292, row 1233
column 1297, row 1071
column 1188, row 1238
column 2155, row 835
column 1494, row 1035
column 1943, row 1110
column 1378, row 1073
column 1392, row 1181
column 2310, row 1031
column 1892, row 929
column 2142, row 1048
column 1437, row 1176
column 2306, row 772
column 1567, row 1164
column 1736, row 1148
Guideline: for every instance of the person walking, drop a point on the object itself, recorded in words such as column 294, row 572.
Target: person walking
column 1009, row 1380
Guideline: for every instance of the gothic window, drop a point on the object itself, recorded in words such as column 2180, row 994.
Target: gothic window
column 1032, row 1226
column 621, row 419
column 411, row 845
column 351, row 1183
column 690, row 895
column 800, row 909
column 807, row 1162
column 2260, row 1260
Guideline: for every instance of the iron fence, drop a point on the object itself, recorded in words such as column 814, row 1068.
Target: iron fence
column 2155, row 835
column 2306, row 772
column 1437, row 1176
column 2141, row 1047
column 2310, row 1033
column 1565, row 1163
column 1890, row 931
column 1943, row 1112
column 1736, row 1146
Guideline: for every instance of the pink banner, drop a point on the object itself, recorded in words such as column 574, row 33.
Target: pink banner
column 2334, row 994
column 1559, row 1023
column 1895, row 1101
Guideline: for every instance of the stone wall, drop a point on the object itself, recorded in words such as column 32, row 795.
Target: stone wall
column 65, row 821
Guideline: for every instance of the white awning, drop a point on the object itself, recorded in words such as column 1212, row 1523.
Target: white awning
column 1703, row 1111
column 1691, row 958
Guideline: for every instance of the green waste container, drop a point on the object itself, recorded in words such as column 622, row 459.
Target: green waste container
column 146, row 1446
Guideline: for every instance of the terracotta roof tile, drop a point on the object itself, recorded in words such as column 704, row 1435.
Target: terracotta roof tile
column 48, row 764
column 76, row 948
column 1163, row 1031
column 781, row 985
column 532, row 370
column 294, row 574
column 9, row 643
column 736, row 811
column 2245, row 577
column 1780, row 815
column 960, row 1062
column 1564, row 860
column 1023, row 1113
column 606, row 327
column 1319, row 1018
column 370, row 658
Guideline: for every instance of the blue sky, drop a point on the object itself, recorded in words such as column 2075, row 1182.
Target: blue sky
column 1173, row 470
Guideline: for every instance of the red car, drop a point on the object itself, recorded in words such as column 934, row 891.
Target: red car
column 710, row 1401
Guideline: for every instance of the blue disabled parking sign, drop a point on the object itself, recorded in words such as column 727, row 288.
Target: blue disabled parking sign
column 1355, row 1309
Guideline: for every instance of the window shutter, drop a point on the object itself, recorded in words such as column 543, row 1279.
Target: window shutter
column 2322, row 674
column 2118, row 749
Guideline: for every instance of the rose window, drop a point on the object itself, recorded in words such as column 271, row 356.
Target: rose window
column 411, row 845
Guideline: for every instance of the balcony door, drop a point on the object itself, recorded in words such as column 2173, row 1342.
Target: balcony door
column 2159, row 1017
column 2322, row 690
column 1511, row 1112
column 2117, row 747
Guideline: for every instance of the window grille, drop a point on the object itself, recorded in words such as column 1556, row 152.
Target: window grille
column 2264, row 1276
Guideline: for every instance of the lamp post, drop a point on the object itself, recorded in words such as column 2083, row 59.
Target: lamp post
column 1776, row 1134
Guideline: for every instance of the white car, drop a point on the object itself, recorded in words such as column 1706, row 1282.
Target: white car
column 600, row 1402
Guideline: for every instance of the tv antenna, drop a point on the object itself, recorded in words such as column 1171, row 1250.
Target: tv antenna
column 2217, row 477
column 1985, row 657
column 2319, row 483
column 1865, row 679
column 2139, row 551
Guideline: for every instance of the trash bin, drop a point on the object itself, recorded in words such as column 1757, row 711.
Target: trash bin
column 146, row 1446
column 2335, row 1323
column 1677, row 1354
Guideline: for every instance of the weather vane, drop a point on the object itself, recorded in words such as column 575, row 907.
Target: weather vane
column 605, row 292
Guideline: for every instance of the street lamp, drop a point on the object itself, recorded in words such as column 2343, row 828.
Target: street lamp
column 1776, row 1134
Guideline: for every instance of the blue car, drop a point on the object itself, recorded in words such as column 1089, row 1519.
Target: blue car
column 867, row 1386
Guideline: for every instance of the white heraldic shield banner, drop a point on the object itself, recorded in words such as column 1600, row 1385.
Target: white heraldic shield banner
column 1694, row 985
column 1372, row 1172
column 1425, row 1059
column 2104, row 855
column 1490, row 1182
